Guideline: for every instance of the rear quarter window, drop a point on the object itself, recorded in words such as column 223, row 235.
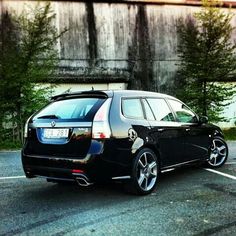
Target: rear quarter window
column 132, row 108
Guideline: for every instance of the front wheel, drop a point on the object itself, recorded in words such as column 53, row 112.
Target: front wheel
column 145, row 171
column 218, row 153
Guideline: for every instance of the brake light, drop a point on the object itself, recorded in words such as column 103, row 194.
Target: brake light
column 101, row 128
column 101, row 114
column 26, row 129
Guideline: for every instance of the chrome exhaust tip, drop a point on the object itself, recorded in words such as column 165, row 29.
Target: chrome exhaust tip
column 83, row 180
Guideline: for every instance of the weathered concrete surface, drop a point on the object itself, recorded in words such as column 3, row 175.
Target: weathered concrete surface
column 130, row 42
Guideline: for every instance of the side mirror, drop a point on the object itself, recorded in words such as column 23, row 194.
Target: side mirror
column 203, row 119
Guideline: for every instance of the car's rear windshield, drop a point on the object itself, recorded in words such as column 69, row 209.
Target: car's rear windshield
column 82, row 109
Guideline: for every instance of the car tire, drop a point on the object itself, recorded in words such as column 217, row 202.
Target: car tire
column 144, row 174
column 218, row 153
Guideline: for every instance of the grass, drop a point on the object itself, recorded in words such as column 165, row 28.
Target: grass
column 9, row 145
column 230, row 133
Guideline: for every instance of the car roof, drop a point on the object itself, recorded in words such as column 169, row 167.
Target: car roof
column 140, row 93
column 111, row 93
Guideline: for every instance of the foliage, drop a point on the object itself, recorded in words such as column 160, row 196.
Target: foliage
column 28, row 56
column 230, row 133
column 7, row 144
column 207, row 60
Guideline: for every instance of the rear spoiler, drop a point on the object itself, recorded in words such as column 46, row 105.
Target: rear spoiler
column 91, row 93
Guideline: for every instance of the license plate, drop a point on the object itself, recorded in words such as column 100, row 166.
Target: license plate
column 56, row 133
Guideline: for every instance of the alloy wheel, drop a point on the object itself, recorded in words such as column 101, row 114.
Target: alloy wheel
column 219, row 153
column 147, row 171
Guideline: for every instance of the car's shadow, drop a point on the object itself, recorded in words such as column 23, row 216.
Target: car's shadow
column 114, row 190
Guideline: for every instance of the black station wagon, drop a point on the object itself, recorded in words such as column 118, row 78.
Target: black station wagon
column 125, row 135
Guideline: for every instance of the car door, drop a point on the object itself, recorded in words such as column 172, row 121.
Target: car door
column 196, row 138
column 165, row 133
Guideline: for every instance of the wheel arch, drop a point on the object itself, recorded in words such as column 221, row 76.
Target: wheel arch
column 154, row 149
column 217, row 133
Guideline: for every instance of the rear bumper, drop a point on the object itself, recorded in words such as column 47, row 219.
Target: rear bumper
column 93, row 167
column 104, row 160
column 56, row 167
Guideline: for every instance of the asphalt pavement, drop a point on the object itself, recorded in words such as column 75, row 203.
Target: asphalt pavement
column 188, row 201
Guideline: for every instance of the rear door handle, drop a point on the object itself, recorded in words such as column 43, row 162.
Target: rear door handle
column 160, row 130
column 187, row 129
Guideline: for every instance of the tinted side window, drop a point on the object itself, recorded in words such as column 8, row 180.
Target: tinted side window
column 183, row 113
column 160, row 109
column 132, row 108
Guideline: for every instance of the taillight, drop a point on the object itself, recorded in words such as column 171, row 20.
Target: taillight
column 101, row 128
column 26, row 129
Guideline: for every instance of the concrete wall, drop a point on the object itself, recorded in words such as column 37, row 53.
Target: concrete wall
column 117, row 41
column 133, row 43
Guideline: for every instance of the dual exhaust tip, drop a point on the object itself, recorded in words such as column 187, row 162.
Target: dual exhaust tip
column 83, row 180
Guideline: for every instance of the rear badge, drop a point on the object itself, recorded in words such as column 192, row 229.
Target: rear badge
column 53, row 123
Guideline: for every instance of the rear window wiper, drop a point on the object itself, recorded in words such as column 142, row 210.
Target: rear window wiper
column 48, row 117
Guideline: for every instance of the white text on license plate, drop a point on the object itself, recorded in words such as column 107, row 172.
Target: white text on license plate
column 56, row 133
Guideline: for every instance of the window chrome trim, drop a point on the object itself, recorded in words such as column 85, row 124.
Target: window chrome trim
column 180, row 164
column 165, row 123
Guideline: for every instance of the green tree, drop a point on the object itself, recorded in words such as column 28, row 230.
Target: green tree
column 207, row 60
column 28, row 57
